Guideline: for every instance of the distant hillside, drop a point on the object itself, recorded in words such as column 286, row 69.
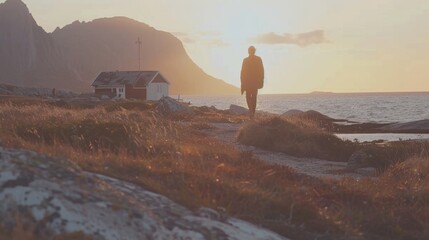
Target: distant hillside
column 28, row 55
column 71, row 57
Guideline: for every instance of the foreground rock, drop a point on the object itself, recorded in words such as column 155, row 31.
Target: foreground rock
column 62, row 199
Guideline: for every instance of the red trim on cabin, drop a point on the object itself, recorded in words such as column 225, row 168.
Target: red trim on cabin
column 132, row 93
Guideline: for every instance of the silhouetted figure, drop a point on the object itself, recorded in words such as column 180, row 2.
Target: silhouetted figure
column 252, row 79
column 54, row 92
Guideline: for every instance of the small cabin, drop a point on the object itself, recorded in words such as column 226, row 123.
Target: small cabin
column 142, row 85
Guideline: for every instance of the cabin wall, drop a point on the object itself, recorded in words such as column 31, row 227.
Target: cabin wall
column 156, row 91
column 132, row 93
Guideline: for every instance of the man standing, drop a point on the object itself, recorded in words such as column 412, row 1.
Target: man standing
column 252, row 79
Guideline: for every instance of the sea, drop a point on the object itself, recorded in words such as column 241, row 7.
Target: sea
column 357, row 107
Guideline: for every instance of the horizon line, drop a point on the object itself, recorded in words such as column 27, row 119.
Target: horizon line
column 327, row 92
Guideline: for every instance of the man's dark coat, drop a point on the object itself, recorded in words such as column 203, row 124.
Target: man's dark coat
column 252, row 73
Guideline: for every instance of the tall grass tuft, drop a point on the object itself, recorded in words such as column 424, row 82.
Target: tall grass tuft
column 298, row 139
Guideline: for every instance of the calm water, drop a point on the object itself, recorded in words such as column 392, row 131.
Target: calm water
column 382, row 136
column 362, row 107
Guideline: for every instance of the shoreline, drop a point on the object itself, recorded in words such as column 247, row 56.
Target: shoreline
column 343, row 127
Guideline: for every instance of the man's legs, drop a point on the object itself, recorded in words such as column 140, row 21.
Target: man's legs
column 251, row 98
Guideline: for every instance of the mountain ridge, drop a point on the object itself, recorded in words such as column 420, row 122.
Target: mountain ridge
column 28, row 55
column 72, row 56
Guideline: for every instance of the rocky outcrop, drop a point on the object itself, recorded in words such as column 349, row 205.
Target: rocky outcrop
column 292, row 113
column 239, row 110
column 62, row 198
column 168, row 105
column 28, row 54
column 421, row 126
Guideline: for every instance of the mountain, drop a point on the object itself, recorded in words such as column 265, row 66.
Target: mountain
column 28, row 55
column 71, row 57
column 110, row 44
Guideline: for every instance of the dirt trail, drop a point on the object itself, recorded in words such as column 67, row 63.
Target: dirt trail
column 227, row 132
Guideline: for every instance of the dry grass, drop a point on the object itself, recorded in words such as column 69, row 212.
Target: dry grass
column 178, row 161
column 297, row 138
column 395, row 206
column 167, row 157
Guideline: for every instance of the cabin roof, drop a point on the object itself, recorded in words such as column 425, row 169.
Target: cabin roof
column 134, row 78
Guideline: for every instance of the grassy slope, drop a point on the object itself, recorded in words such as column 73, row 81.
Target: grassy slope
column 131, row 142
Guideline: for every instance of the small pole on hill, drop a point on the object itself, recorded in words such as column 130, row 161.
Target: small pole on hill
column 139, row 42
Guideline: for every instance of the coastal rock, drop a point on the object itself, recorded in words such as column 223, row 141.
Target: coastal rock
column 168, row 105
column 310, row 114
column 205, row 109
column 421, row 126
column 317, row 116
column 291, row 113
column 359, row 159
column 239, row 110
column 62, row 198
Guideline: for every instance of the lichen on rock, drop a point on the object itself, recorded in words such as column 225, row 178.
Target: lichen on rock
column 65, row 199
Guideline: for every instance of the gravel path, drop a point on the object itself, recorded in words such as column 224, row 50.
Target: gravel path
column 227, row 132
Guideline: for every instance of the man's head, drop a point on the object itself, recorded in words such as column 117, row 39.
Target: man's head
column 252, row 50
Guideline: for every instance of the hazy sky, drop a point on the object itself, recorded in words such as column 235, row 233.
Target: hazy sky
column 306, row 45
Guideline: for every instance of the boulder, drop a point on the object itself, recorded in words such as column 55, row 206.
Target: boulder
column 168, row 105
column 239, row 110
column 61, row 198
